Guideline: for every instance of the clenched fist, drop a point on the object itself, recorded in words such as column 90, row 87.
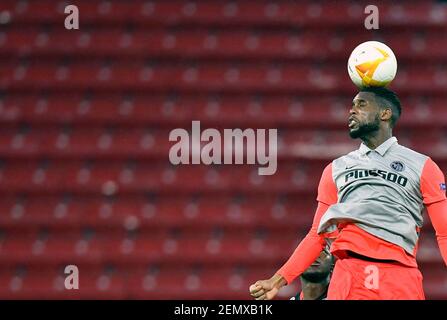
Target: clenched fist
column 267, row 289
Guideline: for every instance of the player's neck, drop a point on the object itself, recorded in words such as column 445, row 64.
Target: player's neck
column 374, row 140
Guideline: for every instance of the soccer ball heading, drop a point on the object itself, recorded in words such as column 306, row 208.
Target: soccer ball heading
column 372, row 64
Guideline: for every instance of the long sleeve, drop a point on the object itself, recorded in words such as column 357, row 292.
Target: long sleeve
column 310, row 247
column 307, row 251
column 438, row 216
column 433, row 193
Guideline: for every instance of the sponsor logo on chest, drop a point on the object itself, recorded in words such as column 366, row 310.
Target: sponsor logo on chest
column 389, row 176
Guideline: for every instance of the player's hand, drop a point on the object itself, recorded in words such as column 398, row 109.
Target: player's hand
column 267, row 289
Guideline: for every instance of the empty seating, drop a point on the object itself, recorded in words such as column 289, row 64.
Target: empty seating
column 85, row 118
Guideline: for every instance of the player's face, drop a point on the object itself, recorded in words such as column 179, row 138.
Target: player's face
column 320, row 268
column 363, row 116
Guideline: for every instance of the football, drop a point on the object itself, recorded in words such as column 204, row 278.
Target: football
column 372, row 64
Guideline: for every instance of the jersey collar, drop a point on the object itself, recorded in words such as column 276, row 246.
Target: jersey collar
column 382, row 149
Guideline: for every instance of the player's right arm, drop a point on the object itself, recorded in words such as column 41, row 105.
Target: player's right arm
column 309, row 248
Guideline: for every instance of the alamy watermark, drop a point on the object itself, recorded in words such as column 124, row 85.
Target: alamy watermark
column 220, row 150
column 72, row 20
column 372, row 278
column 372, row 20
column 72, row 278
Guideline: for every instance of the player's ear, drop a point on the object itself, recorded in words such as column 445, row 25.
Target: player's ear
column 386, row 114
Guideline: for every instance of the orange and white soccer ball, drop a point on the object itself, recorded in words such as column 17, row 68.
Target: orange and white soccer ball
column 372, row 64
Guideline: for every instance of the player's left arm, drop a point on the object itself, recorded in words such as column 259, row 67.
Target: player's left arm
column 433, row 193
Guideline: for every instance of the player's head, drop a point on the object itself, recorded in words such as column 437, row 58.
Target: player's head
column 321, row 268
column 373, row 109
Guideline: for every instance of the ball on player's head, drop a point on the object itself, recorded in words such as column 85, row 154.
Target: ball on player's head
column 372, row 64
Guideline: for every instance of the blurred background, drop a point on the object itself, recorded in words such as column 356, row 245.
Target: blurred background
column 85, row 116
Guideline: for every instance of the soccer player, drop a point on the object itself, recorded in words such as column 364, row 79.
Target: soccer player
column 370, row 204
column 315, row 279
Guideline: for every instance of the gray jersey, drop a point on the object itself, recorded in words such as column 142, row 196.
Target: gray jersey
column 380, row 191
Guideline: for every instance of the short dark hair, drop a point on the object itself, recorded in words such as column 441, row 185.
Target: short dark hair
column 386, row 98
